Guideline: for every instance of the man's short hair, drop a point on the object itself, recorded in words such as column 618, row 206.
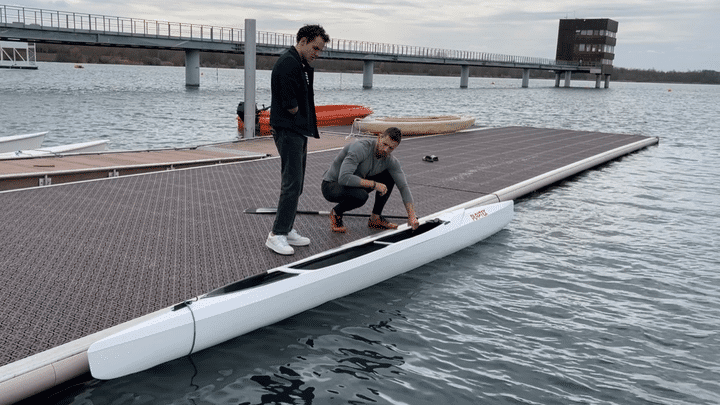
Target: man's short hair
column 311, row 32
column 394, row 134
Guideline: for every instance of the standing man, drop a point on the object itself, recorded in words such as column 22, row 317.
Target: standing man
column 360, row 168
column 292, row 117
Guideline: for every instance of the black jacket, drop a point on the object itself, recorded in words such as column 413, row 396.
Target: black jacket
column 289, row 90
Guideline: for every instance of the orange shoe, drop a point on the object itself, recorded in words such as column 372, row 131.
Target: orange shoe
column 336, row 223
column 379, row 222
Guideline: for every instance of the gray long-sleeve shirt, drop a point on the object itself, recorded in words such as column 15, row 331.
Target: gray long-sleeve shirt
column 357, row 161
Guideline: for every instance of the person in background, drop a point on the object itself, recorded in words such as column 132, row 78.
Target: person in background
column 360, row 168
column 293, row 120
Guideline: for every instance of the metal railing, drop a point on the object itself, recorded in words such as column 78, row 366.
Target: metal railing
column 17, row 54
column 81, row 22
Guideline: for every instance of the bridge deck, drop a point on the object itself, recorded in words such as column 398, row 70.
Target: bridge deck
column 40, row 25
column 83, row 257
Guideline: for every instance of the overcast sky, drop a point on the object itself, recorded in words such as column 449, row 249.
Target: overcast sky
column 664, row 35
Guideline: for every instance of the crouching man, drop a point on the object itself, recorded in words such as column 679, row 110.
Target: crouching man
column 361, row 168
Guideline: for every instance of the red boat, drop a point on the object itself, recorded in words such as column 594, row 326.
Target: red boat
column 327, row 116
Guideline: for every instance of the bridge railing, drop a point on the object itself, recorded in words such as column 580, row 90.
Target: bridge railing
column 436, row 53
column 82, row 22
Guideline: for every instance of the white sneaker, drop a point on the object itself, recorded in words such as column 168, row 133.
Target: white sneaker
column 294, row 238
column 279, row 244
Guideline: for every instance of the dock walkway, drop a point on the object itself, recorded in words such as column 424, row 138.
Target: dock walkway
column 80, row 259
column 41, row 171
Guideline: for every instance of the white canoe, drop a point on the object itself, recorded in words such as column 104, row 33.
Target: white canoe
column 18, row 142
column 284, row 291
column 82, row 147
column 416, row 125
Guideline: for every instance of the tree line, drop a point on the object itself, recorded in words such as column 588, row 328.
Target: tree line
column 160, row 57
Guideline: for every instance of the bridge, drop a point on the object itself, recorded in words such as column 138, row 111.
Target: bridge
column 50, row 26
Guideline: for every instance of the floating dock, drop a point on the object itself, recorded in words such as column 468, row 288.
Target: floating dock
column 85, row 259
column 53, row 170
column 17, row 55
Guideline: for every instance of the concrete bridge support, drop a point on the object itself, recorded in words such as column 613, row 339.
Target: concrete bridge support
column 464, row 76
column 607, row 81
column 192, row 68
column 557, row 79
column 526, row 78
column 597, row 81
column 568, row 75
column 368, row 69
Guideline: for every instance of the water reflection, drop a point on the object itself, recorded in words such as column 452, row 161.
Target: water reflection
column 284, row 388
column 365, row 364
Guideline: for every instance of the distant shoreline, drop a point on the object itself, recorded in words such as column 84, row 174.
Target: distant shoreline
column 155, row 57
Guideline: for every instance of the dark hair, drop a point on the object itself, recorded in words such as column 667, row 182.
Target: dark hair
column 311, row 32
column 394, row 134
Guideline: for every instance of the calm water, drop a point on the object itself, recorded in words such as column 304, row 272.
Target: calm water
column 603, row 290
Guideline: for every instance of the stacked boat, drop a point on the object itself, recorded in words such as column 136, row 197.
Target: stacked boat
column 30, row 145
column 19, row 142
column 361, row 118
column 327, row 116
column 428, row 125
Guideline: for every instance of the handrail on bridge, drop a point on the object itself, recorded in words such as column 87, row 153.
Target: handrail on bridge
column 81, row 22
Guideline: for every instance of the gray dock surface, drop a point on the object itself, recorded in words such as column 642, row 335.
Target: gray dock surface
column 68, row 168
column 80, row 258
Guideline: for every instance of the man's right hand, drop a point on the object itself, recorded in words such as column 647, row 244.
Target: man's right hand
column 380, row 188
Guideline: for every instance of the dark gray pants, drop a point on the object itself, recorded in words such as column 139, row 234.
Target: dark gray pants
column 349, row 198
column 292, row 148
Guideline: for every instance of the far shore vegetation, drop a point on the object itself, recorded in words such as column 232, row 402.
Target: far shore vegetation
column 158, row 57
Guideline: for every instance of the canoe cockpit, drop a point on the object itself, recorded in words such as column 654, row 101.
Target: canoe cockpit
column 330, row 259
column 334, row 258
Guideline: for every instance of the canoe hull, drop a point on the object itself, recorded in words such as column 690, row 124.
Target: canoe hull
column 82, row 147
column 308, row 284
column 19, row 142
column 166, row 337
column 416, row 125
